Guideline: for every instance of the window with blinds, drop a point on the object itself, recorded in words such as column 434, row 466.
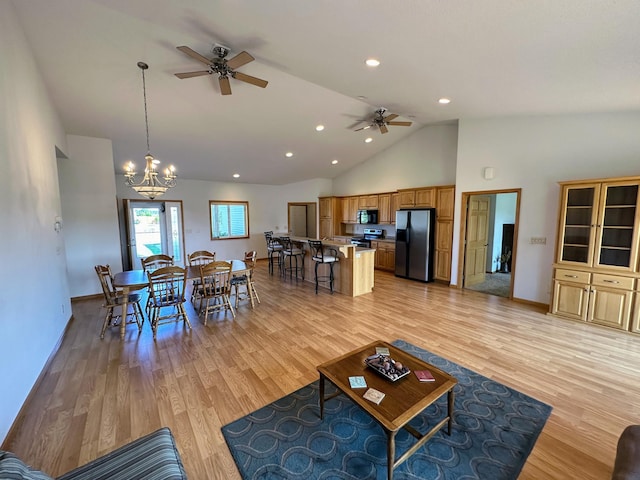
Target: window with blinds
column 229, row 219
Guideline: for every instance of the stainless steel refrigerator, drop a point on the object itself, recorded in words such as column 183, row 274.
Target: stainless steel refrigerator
column 415, row 230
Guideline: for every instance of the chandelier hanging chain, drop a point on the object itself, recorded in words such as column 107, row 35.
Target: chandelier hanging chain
column 150, row 186
column 144, row 94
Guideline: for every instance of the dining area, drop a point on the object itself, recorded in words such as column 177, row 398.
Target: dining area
column 215, row 289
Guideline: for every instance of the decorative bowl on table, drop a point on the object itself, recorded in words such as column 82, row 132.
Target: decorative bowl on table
column 387, row 367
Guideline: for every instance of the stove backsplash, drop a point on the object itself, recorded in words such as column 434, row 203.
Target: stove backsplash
column 354, row 230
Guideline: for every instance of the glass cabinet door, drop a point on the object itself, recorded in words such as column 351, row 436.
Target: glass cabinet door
column 617, row 235
column 578, row 224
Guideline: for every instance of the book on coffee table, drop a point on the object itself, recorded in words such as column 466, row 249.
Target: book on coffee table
column 424, row 376
column 357, row 382
column 374, row 395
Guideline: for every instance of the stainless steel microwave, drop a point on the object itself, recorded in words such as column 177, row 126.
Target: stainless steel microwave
column 368, row 216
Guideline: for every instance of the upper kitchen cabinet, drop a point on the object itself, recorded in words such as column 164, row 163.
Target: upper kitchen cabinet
column 417, row 197
column 368, row 202
column 325, row 207
column 445, row 197
column 350, row 209
column 599, row 224
column 395, row 206
column 384, row 209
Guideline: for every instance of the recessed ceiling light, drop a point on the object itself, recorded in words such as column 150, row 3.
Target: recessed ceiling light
column 334, row 162
column 319, row 128
column 372, row 62
column 288, row 154
column 444, row 101
column 236, row 175
column 361, row 97
column 368, row 140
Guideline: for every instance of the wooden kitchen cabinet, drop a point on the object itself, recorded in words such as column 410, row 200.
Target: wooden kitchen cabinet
column 417, row 197
column 368, row 202
column 384, row 209
column 596, row 271
column 445, row 197
column 407, row 198
column 442, row 257
column 329, row 213
column 385, row 258
column 395, row 206
column 325, row 207
column 425, row 197
column 350, row 209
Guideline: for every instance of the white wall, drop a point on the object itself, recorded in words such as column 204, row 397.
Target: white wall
column 35, row 303
column 88, row 196
column 534, row 153
column 427, row 157
column 267, row 210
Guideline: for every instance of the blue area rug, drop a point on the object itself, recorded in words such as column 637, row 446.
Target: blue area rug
column 494, row 431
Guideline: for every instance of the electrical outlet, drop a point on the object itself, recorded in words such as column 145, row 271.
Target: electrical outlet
column 538, row 240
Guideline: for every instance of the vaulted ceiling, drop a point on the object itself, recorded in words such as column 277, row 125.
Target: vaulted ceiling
column 490, row 57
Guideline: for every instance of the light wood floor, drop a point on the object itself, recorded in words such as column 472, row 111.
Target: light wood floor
column 98, row 395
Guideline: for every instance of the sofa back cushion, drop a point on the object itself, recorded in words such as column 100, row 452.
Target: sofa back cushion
column 12, row 468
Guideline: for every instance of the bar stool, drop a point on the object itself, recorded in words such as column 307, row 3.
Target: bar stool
column 319, row 256
column 292, row 250
column 274, row 249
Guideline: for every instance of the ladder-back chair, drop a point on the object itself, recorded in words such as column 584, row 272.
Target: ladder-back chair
column 246, row 281
column 196, row 259
column 167, row 296
column 113, row 299
column 215, row 289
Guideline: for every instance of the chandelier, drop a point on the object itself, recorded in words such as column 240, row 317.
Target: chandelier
column 150, row 186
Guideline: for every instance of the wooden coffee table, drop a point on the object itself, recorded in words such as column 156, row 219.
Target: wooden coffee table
column 404, row 399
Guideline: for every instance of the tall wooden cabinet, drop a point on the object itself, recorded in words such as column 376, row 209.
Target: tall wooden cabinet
column 330, row 215
column 445, row 197
column 596, row 273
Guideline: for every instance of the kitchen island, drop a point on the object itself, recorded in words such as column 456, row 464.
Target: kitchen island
column 353, row 273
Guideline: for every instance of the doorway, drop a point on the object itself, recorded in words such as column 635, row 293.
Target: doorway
column 302, row 219
column 489, row 239
column 153, row 227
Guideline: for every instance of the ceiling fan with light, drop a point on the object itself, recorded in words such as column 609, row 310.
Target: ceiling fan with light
column 222, row 67
column 381, row 122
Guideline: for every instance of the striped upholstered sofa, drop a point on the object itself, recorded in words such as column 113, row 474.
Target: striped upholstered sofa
column 152, row 457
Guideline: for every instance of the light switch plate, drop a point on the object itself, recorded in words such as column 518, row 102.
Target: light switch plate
column 538, row 240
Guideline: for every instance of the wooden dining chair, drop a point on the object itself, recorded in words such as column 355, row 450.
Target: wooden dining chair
column 150, row 263
column 113, row 299
column 196, row 259
column 215, row 289
column 154, row 262
column 246, row 281
column 167, row 296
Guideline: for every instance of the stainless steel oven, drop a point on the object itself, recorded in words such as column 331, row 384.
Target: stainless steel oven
column 368, row 234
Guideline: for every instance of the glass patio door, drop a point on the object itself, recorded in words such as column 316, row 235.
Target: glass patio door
column 154, row 227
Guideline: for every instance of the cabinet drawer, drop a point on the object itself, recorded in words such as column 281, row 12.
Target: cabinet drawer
column 612, row 281
column 572, row 275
